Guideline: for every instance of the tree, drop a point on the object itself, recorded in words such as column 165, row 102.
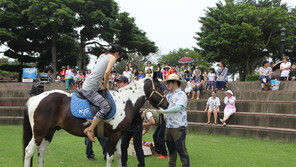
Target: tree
column 54, row 19
column 174, row 56
column 97, row 20
column 242, row 33
column 137, row 61
column 3, row 73
column 18, row 34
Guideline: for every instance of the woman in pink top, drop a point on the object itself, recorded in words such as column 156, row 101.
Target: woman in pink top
column 230, row 108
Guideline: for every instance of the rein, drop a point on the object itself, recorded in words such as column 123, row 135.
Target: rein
column 155, row 91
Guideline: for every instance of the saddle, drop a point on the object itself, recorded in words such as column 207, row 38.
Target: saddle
column 95, row 109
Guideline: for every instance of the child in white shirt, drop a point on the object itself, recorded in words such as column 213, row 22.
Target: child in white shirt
column 189, row 86
column 212, row 77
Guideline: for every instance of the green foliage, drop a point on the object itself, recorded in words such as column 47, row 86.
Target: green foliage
column 57, row 32
column 174, row 56
column 4, row 63
column 138, row 62
column 243, row 33
column 253, row 77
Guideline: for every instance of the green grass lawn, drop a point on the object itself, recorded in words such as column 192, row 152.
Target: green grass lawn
column 204, row 150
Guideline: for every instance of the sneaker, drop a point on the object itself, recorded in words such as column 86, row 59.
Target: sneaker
column 162, row 157
column 222, row 121
column 91, row 157
column 156, row 153
column 197, row 99
column 224, row 124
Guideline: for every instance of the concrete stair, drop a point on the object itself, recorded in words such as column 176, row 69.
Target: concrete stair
column 15, row 111
column 13, row 101
column 248, row 119
column 255, row 95
column 11, row 120
column 263, row 115
column 259, row 132
column 260, row 106
column 13, row 97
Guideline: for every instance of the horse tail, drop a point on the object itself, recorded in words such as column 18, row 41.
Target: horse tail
column 27, row 131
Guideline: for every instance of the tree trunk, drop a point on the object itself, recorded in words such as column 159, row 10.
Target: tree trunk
column 54, row 56
column 21, row 69
column 81, row 53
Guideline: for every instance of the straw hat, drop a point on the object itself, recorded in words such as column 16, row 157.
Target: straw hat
column 230, row 92
column 174, row 77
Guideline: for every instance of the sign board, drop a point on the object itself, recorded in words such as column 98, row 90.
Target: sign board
column 29, row 74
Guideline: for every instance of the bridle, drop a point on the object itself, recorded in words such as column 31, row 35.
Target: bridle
column 155, row 91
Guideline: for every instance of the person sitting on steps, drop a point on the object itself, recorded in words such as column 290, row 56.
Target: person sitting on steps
column 265, row 73
column 230, row 108
column 93, row 83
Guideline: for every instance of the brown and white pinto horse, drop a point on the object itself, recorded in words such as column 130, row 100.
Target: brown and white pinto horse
column 50, row 111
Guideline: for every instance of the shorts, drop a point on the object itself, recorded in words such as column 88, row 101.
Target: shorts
column 197, row 89
column 213, row 109
column 283, row 78
column 262, row 77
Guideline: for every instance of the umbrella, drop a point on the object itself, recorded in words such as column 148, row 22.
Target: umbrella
column 186, row 60
column 276, row 66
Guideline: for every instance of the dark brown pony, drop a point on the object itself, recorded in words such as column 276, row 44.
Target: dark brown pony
column 50, row 111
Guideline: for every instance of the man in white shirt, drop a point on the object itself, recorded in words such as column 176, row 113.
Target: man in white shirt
column 285, row 68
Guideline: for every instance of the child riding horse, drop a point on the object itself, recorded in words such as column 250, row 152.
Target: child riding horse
column 50, row 111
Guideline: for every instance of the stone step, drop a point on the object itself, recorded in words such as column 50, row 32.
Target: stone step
column 9, row 120
column 255, row 106
column 13, row 101
column 28, row 86
column 239, row 86
column 248, row 119
column 20, row 93
column 254, row 95
column 266, row 133
column 12, row 111
column 14, row 93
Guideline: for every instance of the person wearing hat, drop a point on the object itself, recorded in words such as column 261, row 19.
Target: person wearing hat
column 176, row 121
column 122, row 81
column 230, row 108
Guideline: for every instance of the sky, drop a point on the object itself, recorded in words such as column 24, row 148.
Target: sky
column 171, row 24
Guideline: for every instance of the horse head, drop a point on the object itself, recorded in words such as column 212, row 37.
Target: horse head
column 154, row 93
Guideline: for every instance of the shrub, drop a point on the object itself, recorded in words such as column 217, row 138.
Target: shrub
column 253, row 77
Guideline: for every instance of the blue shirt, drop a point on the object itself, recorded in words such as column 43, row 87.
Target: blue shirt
column 141, row 76
column 177, row 119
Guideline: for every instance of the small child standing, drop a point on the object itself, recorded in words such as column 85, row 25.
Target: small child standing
column 189, row 86
column 212, row 77
column 205, row 76
column 75, row 80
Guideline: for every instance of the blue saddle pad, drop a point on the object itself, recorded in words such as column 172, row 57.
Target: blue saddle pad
column 80, row 108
